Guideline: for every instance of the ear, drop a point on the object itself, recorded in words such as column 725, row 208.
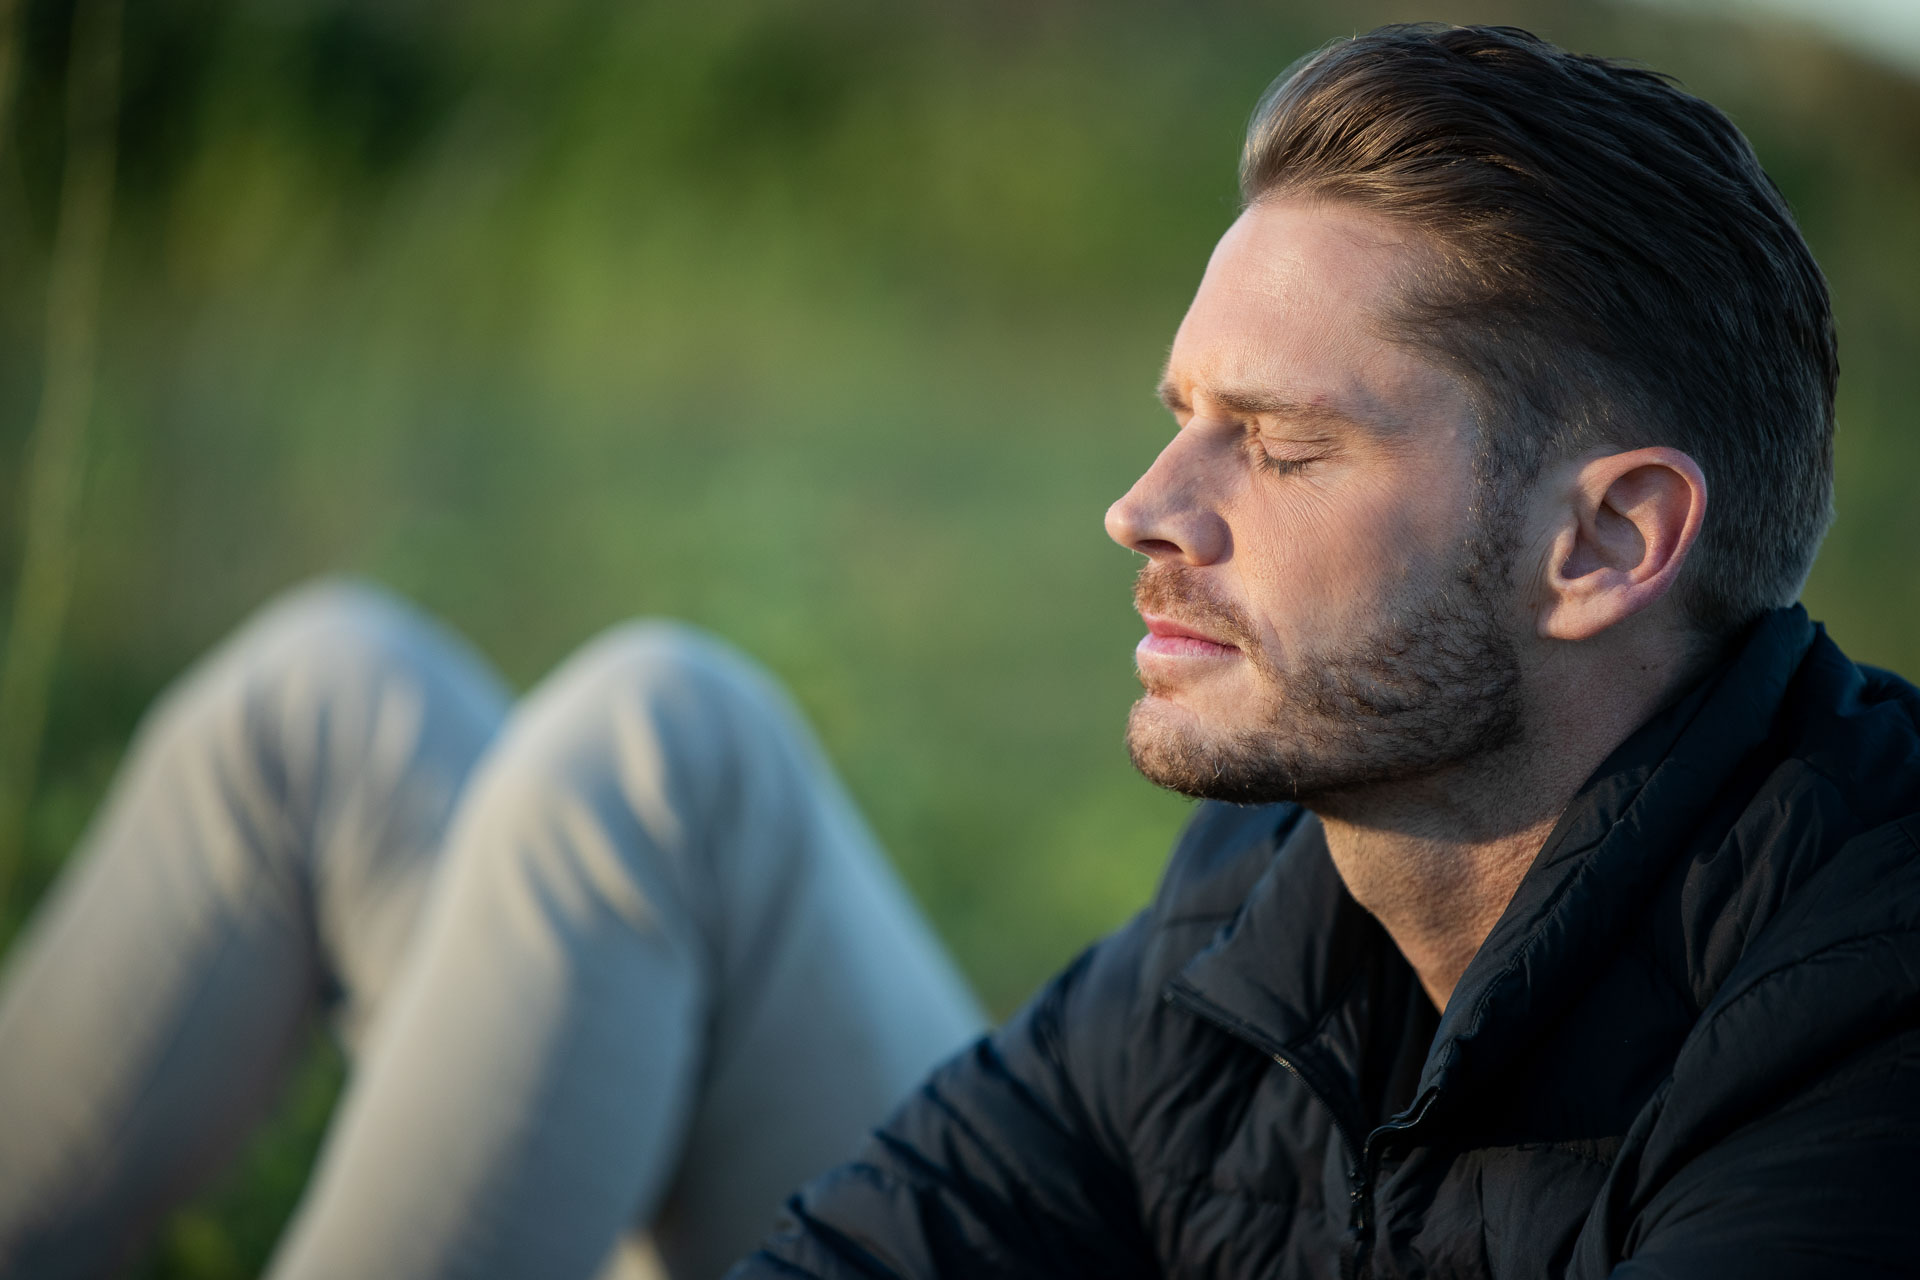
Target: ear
column 1624, row 525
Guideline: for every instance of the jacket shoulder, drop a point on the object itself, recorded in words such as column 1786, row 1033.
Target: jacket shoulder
column 1829, row 980
column 1799, row 1075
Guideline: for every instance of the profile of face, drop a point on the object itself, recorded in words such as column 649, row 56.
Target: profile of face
column 1327, row 607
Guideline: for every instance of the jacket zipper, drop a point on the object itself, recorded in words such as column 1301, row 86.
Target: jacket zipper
column 1195, row 1003
column 1357, row 1189
column 1362, row 1157
column 1363, row 1193
column 1347, row 1137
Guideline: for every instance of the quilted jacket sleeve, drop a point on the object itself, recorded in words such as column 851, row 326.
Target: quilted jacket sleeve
column 1825, row 1186
column 1004, row 1163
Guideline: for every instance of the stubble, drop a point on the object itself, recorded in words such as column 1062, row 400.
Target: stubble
column 1433, row 683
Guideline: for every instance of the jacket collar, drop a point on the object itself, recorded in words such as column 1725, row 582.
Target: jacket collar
column 1280, row 970
column 1292, row 952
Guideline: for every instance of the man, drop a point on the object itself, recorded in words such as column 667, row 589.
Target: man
column 1570, row 920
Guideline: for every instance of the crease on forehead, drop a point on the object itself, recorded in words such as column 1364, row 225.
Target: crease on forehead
column 1355, row 410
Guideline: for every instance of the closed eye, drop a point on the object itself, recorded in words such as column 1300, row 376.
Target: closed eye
column 1278, row 464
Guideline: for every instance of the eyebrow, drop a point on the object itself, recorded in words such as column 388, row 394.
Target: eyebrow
column 1258, row 402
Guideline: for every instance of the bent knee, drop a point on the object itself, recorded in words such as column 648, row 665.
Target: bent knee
column 667, row 667
column 333, row 621
column 332, row 643
column 670, row 716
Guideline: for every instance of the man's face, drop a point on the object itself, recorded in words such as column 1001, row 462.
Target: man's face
column 1325, row 609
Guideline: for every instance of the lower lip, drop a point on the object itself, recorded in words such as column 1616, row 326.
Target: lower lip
column 1183, row 647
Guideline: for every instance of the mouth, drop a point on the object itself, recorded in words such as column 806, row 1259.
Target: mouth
column 1167, row 638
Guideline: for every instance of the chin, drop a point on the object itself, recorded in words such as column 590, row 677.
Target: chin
column 1176, row 749
column 1208, row 709
column 1301, row 758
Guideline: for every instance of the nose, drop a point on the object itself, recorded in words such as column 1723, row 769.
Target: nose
column 1172, row 512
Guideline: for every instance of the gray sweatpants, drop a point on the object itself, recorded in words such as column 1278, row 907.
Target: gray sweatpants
column 621, row 957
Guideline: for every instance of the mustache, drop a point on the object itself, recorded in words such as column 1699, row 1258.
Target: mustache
column 1178, row 592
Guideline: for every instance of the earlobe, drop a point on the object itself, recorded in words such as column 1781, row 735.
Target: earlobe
column 1629, row 521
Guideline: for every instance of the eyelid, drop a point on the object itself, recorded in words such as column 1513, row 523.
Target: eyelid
column 1284, row 464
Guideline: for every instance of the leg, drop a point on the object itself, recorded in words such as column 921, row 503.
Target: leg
column 664, row 976
column 260, row 857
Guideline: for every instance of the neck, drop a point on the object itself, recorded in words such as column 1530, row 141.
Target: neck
column 1437, row 859
column 1437, row 869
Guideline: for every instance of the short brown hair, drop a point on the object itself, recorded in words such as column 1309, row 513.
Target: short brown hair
column 1612, row 268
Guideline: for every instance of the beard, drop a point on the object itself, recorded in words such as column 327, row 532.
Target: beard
column 1434, row 683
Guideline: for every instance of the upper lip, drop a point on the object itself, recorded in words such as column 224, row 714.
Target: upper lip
column 1160, row 626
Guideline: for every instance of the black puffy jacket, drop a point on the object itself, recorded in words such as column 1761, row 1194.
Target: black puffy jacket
column 1690, row 1047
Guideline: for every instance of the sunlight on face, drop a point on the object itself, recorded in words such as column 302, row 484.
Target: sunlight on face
column 1323, row 606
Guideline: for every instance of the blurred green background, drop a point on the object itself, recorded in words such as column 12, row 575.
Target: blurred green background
column 830, row 326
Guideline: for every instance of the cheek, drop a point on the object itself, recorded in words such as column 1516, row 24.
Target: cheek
column 1313, row 558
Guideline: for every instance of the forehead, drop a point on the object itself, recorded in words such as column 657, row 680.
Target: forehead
column 1291, row 307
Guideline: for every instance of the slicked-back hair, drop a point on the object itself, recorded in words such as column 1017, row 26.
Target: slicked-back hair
column 1610, row 267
